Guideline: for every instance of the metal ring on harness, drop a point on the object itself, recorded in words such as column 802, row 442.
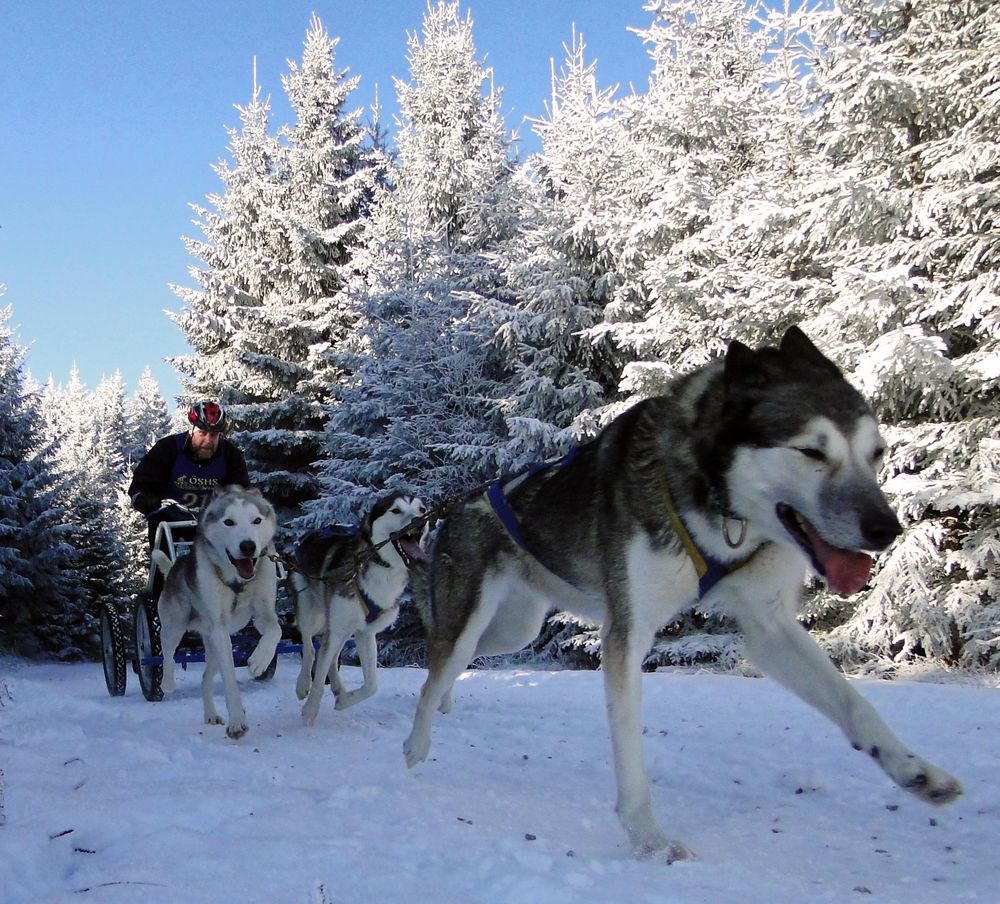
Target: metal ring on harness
column 738, row 542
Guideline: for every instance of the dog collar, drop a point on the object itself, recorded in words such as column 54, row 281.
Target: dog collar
column 709, row 569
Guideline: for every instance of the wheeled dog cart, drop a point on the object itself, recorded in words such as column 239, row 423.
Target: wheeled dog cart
column 133, row 636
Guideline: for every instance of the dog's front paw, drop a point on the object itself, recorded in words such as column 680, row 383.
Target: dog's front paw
column 237, row 729
column 415, row 750
column 921, row 778
column 214, row 719
column 647, row 838
column 258, row 661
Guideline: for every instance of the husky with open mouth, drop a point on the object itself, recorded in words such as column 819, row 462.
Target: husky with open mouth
column 726, row 488
column 348, row 584
column 227, row 579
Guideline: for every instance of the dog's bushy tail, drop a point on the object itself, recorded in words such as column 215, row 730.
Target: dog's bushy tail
column 162, row 561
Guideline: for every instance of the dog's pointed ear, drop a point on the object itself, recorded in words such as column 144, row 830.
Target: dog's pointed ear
column 742, row 364
column 796, row 344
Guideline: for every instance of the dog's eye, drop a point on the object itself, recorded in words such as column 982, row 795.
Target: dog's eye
column 815, row 454
column 229, row 522
column 396, row 510
column 257, row 520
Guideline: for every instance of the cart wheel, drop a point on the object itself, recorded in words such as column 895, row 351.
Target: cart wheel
column 113, row 651
column 268, row 673
column 147, row 646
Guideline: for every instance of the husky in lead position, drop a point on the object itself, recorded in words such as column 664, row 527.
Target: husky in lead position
column 727, row 487
column 226, row 579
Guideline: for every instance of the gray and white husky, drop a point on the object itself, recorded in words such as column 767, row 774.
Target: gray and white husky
column 226, row 579
column 748, row 470
column 350, row 586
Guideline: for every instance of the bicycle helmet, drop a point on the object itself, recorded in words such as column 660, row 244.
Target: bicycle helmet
column 207, row 416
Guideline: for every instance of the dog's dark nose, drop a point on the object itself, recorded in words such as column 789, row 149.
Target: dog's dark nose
column 881, row 529
column 248, row 548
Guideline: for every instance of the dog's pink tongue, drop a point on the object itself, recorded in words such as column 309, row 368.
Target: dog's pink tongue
column 846, row 571
column 244, row 567
column 413, row 549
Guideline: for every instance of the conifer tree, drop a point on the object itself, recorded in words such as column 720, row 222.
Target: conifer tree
column 87, row 430
column 294, row 209
column 692, row 135
column 907, row 104
column 147, row 418
column 419, row 412
column 244, row 251
column 41, row 609
column 560, row 269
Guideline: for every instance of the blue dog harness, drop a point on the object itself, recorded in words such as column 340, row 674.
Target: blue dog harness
column 709, row 569
column 501, row 508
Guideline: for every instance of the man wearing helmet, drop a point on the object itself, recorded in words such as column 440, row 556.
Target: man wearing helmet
column 186, row 467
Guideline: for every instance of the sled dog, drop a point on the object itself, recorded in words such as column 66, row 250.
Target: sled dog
column 348, row 588
column 727, row 487
column 216, row 588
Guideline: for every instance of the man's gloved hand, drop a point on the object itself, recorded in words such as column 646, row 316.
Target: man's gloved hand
column 146, row 502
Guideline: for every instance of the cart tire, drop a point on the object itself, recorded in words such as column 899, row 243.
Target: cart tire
column 113, row 651
column 268, row 673
column 147, row 645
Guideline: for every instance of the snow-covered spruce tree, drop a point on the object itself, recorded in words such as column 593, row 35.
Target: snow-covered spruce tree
column 303, row 323
column 420, row 409
column 560, row 270
column 88, row 431
column 907, row 101
column 308, row 194
column 41, row 608
column 749, row 266
column 665, row 160
column 148, row 421
column 746, row 273
column 693, row 134
column 147, row 418
column 245, row 256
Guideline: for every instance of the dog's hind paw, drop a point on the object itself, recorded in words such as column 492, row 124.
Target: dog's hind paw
column 673, row 852
column 309, row 713
column 302, row 687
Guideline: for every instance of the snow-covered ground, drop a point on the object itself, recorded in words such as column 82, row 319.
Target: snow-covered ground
column 116, row 799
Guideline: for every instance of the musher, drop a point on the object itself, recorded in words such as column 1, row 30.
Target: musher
column 185, row 468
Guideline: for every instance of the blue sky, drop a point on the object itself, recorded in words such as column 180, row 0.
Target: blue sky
column 113, row 113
